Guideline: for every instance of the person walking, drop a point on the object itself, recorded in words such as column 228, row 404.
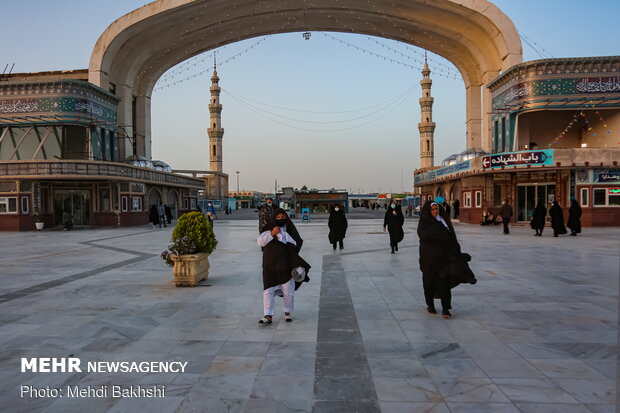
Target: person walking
column 538, row 219
column 154, row 216
column 168, row 213
column 574, row 218
column 337, row 226
column 557, row 219
column 161, row 211
column 265, row 213
column 446, row 207
column 506, row 213
column 457, row 211
column 442, row 263
column 283, row 269
column 394, row 221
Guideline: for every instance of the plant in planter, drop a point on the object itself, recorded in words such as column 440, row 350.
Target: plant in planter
column 38, row 219
column 193, row 241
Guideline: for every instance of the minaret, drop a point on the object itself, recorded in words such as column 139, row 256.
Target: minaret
column 426, row 126
column 215, row 126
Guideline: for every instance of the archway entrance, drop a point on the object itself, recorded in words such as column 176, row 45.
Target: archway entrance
column 138, row 48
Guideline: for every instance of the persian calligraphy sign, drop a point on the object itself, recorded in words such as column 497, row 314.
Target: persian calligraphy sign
column 522, row 158
column 607, row 176
column 437, row 173
column 599, row 85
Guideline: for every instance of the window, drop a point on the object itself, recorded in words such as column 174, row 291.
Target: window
column 25, row 207
column 186, row 203
column 497, row 195
column 214, row 151
column 74, row 142
column 8, row 205
column 136, row 203
column 104, row 197
column 478, row 199
column 428, row 146
column 584, row 197
column 599, row 196
column 467, row 199
column 124, row 204
column 193, row 204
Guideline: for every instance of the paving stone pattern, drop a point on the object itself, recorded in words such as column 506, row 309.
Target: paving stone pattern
column 538, row 333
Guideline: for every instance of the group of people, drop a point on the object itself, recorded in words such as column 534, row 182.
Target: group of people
column 556, row 213
column 160, row 214
column 539, row 218
column 442, row 263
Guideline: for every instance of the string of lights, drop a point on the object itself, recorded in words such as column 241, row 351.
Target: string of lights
column 228, row 92
column 246, row 50
column 189, row 63
column 586, row 124
column 370, row 52
column 379, row 116
column 258, row 108
column 416, row 51
column 450, row 72
column 541, row 51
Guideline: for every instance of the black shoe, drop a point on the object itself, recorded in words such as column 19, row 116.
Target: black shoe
column 396, row 247
column 555, row 235
column 431, row 310
column 445, row 313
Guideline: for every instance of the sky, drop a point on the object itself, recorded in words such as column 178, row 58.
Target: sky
column 320, row 112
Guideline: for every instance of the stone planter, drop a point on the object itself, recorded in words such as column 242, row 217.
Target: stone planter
column 39, row 225
column 189, row 270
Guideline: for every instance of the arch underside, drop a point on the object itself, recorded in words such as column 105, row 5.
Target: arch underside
column 139, row 47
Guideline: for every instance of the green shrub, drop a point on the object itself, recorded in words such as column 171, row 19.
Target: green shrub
column 196, row 227
column 192, row 234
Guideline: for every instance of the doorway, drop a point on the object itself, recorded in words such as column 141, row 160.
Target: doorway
column 528, row 197
column 74, row 202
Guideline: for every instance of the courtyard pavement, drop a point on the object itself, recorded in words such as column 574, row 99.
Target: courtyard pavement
column 538, row 333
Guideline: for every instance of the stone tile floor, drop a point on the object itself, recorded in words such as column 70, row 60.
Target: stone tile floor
column 538, row 333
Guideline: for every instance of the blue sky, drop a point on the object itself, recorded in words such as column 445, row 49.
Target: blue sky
column 366, row 137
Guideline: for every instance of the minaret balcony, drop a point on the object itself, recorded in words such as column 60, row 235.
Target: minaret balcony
column 215, row 133
column 428, row 127
column 215, row 107
column 427, row 100
column 215, row 90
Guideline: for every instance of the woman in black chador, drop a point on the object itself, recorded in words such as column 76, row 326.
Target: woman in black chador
column 283, row 269
column 394, row 221
column 442, row 264
column 557, row 219
column 154, row 215
column 574, row 218
column 538, row 219
column 337, row 226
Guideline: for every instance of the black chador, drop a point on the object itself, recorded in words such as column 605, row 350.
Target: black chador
column 279, row 258
column 442, row 264
column 337, row 227
column 393, row 221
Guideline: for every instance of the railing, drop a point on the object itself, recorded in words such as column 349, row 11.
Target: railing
column 110, row 170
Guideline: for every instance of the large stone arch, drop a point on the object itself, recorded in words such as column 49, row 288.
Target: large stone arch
column 139, row 47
